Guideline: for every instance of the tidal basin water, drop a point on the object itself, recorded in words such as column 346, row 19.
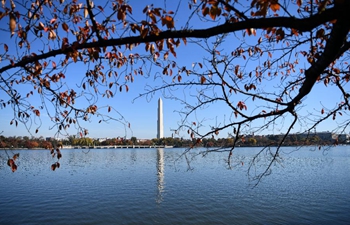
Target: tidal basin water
column 150, row 186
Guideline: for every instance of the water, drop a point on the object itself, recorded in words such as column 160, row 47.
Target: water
column 150, row 186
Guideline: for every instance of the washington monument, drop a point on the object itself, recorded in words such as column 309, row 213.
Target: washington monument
column 160, row 119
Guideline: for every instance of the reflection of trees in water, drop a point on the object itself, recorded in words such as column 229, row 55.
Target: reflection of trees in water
column 133, row 156
column 160, row 174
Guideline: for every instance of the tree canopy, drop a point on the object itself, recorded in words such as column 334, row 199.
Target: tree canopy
column 258, row 59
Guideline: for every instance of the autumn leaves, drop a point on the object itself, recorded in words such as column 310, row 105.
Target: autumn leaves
column 11, row 162
column 56, row 153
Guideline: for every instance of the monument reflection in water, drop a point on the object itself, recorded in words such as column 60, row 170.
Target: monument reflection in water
column 160, row 174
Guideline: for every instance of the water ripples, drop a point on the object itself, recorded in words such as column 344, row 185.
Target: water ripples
column 149, row 186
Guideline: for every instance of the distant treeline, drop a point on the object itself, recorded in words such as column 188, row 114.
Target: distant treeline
column 25, row 142
column 249, row 141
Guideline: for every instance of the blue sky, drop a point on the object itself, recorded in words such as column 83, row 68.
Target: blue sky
column 142, row 113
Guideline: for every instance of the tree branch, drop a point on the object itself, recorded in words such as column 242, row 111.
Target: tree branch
column 305, row 24
column 334, row 48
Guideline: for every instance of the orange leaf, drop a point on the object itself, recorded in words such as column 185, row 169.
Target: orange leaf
column 205, row 11
column 203, row 79
column 15, row 156
column 168, row 21
column 53, row 167
column 65, row 27
column 41, row 26
column 144, row 32
column 37, row 112
column 121, row 15
column 214, row 11
column 236, row 69
column 251, row 31
column 299, row 2
column 275, row 7
column 153, row 17
column 336, row 70
column 13, row 23
column 14, row 167
column 100, row 7
column 10, row 162
column 145, row 9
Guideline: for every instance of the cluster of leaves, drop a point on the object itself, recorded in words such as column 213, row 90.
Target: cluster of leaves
column 56, row 153
column 11, row 162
